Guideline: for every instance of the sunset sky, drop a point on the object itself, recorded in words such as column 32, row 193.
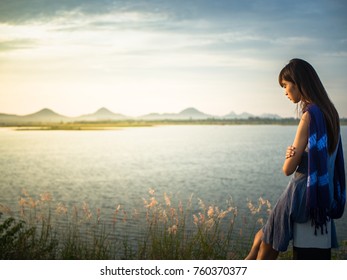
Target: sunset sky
column 139, row 57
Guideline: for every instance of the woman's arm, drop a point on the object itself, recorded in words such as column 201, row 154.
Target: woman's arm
column 294, row 152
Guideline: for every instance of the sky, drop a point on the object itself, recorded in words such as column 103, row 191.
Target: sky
column 140, row 57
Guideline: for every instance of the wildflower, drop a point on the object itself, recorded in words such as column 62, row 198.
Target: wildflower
column 262, row 201
column 260, row 221
column 151, row 191
column 173, row 229
column 250, row 205
column 174, row 215
column 86, row 211
column 33, row 203
column 196, row 219
column 202, row 204
column 164, row 216
column 202, row 218
column 152, row 203
column 25, row 192
column 223, row 214
column 89, row 215
column 268, row 204
column 117, row 209
column 85, row 206
column 46, row 197
column 22, row 201
column 115, row 214
column 167, row 200
column 61, row 209
column 210, row 212
column 252, row 208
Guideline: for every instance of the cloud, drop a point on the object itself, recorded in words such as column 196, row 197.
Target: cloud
column 23, row 11
column 158, row 34
column 17, row 44
column 218, row 44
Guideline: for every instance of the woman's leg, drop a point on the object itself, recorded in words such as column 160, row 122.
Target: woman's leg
column 266, row 252
column 261, row 250
column 256, row 246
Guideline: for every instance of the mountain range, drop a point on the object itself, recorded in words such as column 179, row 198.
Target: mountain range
column 103, row 114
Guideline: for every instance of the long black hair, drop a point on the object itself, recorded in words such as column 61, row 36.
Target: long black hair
column 303, row 75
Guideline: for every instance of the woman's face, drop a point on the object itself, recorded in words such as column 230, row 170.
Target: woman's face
column 291, row 91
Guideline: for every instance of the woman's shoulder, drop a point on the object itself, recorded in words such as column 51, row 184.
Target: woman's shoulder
column 305, row 116
column 305, row 119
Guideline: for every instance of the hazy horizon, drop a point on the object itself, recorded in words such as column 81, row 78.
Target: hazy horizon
column 140, row 57
column 104, row 107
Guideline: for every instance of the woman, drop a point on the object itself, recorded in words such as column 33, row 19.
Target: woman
column 316, row 193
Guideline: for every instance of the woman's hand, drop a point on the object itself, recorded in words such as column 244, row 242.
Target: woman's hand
column 295, row 151
column 290, row 151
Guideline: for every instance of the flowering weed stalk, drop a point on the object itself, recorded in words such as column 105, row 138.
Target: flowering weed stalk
column 165, row 228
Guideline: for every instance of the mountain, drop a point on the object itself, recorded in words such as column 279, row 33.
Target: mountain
column 192, row 113
column 156, row 117
column 233, row 115
column 270, row 116
column 102, row 114
column 186, row 114
column 44, row 115
column 47, row 115
column 245, row 115
column 8, row 119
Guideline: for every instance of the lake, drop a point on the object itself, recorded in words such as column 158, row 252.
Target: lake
column 117, row 167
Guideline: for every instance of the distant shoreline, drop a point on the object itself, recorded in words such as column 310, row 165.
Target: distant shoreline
column 110, row 125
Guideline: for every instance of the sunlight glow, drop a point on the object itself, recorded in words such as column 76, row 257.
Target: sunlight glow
column 138, row 62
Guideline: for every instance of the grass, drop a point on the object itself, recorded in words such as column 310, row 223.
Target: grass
column 44, row 229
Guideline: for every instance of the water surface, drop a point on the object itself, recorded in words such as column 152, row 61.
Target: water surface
column 112, row 167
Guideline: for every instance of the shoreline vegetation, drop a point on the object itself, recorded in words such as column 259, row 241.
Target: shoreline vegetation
column 166, row 229
column 113, row 125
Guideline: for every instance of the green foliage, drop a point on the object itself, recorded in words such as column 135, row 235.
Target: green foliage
column 18, row 241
